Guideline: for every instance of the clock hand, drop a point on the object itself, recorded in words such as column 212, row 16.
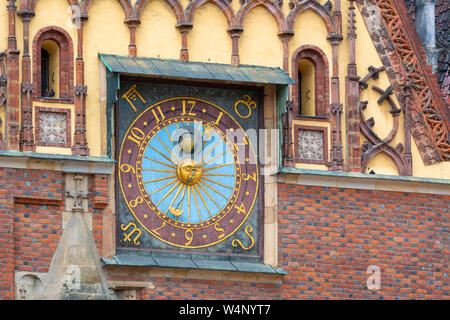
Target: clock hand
column 177, row 210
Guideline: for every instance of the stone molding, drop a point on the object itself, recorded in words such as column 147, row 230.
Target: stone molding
column 363, row 181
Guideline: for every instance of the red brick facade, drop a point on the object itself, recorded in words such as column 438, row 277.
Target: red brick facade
column 327, row 238
column 32, row 203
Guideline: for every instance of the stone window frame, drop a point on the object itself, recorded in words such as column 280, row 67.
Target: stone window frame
column 68, row 113
column 319, row 60
column 324, row 130
column 66, row 63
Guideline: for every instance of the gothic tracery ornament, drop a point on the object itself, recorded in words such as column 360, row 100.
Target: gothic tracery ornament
column 52, row 128
column 310, row 145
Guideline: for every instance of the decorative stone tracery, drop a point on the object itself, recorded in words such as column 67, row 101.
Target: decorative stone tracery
column 374, row 145
column 53, row 127
column 428, row 119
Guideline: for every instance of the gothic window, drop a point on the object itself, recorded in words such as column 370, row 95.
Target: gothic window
column 311, row 74
column 53, row 65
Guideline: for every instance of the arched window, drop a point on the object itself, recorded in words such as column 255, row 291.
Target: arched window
column 311, row 74
column 53, row 64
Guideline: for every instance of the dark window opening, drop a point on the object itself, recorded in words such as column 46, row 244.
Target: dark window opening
column 299, row 93
column 44, row 73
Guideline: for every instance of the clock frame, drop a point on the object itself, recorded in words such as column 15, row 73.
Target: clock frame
column 227, row 227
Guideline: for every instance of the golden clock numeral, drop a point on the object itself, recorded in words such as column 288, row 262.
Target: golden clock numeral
column 131, row 95
column 127, row 168
column 137, row 135
column 189, row 235
column 162, row 226
column 161, row 114
column 218, row 118
column 127, row 237
column 134, row 203
column 241, row 208
column 246, row 176
column 216, row 227
column 236, row 242
column 249, row 103
column 190, row 113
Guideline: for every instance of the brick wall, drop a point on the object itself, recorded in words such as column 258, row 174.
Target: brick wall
column 177, row 289
column 328, row 237
column 31, row 206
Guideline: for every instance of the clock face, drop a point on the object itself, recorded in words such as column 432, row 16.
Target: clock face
column 188, row 171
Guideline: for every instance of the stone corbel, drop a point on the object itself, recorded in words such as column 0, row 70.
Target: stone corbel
column 132, row 24
column 285, row 37
column 184, row 29
column 77, row 195
column 235, row 33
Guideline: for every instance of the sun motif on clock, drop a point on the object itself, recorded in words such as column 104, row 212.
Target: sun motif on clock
column 188, row 172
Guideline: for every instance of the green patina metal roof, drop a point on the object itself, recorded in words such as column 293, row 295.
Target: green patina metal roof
column 190, row 261
column 194, row 70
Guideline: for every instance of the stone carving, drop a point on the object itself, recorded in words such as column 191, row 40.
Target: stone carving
column 77, row 196
column 375, row 144
column 75, row 272
column 374, row 18
column 310, row 145
column 29, row 285
column 126, row 294
column 52, row 128
column 3, row 80
column 390, row 36
column 81, row 90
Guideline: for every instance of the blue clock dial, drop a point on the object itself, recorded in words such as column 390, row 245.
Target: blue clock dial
column 183, row 183
column 188, row 172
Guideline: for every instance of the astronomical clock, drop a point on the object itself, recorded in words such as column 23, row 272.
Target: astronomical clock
column 188, row 175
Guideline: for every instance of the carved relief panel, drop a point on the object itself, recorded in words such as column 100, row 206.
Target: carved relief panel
column 53, row 127
column 311, row 144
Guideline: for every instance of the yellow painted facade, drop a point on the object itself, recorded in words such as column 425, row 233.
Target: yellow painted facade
column 157, row 36
column 259, row 43
column 209, row 41
column 209, row 24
